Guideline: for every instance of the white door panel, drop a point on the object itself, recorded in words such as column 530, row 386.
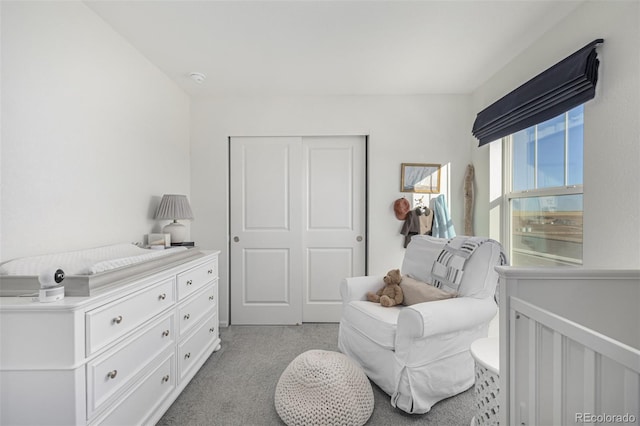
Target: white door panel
column 340, row 262
column 265, row 230
column 266, row 278
column 330, row 183
column 334, row 230
column 297, row 226
column 266, row 190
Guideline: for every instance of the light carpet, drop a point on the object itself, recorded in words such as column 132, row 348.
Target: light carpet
column 236, row 385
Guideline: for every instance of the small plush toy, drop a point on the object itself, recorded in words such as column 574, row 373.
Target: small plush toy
column 391, row 293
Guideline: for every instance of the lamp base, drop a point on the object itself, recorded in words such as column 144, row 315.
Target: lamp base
column 177, row 231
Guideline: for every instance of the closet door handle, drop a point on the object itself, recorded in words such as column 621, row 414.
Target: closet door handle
column 236, row 239
column 359, row 238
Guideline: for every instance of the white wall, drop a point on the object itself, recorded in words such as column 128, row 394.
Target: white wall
column 400, row 129
column 612, row 127
column 92, row 133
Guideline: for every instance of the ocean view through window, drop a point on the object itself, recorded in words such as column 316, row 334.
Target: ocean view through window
column 544, row 165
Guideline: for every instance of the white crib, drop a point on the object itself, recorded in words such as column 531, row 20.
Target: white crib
column 569, row 346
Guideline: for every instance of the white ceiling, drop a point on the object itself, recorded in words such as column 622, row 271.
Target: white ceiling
column 325, row 47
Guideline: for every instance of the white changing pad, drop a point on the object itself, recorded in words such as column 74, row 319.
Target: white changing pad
column 85, row 262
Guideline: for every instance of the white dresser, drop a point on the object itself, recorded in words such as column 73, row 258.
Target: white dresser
column 117, row 358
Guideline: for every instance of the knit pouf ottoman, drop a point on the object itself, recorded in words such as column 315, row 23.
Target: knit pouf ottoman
column 323, row 388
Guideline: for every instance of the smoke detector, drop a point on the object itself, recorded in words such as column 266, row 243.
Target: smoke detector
column 198, row 77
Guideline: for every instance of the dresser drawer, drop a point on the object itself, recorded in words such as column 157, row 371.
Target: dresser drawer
column 195, row 278
column 109, row 322
column 110, row 372
column 190, row 351
column 195, row 308
column 144, row 398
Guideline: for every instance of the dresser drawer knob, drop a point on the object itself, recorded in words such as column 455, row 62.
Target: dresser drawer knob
column 187, row 316
column 212, row 330
column 165, row 379
column 162, row 296
column 112, row 374
column 187, row 355
column 211, row 297
column 118, row 319
column 189, row 282
column 210, row 271
column 165, row 333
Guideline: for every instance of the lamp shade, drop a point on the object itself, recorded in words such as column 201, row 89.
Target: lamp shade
column 174, row 207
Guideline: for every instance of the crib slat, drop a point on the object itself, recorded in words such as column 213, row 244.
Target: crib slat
column 534, row 363
column 632, row 392
column 514, row 414
column 589, row 398
column 558, row 378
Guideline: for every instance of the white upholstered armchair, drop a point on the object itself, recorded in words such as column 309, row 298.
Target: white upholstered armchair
column 419, row 354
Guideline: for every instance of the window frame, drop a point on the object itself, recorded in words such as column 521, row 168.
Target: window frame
column 508, row 194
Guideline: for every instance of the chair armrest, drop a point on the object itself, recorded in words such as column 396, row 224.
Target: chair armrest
column 356, row 288
column 444, row 316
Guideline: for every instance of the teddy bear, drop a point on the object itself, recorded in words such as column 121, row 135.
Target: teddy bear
column 391, row 293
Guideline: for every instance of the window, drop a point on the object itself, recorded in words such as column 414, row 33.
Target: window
column 543, row 165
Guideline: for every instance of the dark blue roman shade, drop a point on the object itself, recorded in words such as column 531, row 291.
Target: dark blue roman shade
column 567, row 84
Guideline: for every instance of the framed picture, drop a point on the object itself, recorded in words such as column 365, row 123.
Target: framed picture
column 420, row 178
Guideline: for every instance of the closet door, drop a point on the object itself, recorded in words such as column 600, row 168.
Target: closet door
column 297, row 226
column 265, row 224
column 333, row 223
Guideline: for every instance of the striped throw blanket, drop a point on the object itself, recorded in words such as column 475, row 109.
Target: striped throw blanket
column 448, row 269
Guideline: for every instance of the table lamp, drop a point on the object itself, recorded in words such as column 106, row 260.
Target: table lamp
column 174, row 207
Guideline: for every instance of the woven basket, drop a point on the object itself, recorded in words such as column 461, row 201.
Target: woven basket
column 323, row 388
column 487, row 391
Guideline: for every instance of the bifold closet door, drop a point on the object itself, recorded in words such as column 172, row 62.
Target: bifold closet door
column 297, row 209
